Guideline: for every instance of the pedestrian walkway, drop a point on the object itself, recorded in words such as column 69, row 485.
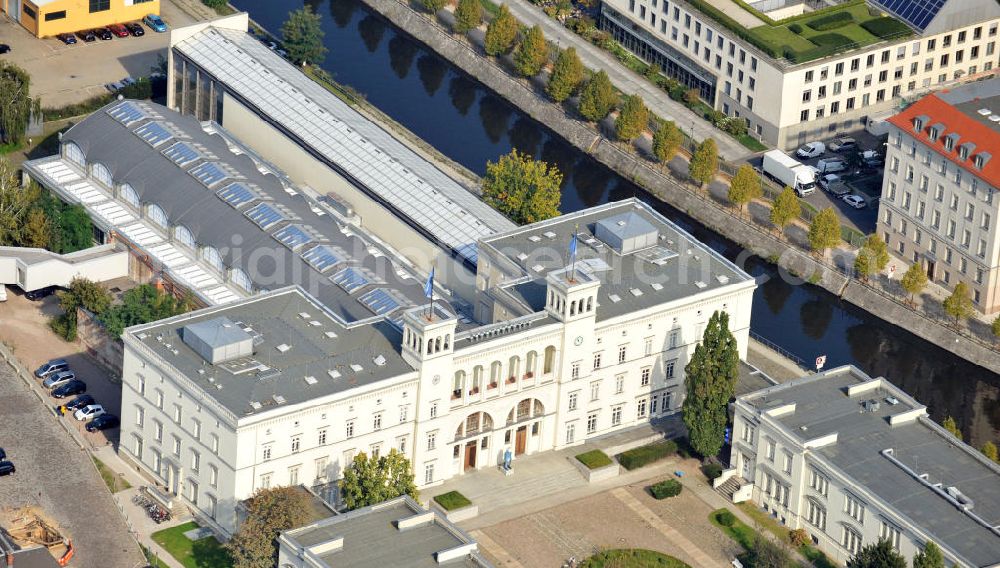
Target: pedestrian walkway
column 487, row 545
column 654, row 520
column 628, row 81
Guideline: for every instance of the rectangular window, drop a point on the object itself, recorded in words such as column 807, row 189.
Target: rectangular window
column 570, row 433
column 816, row 516
column 621, row 353
column 574, row 370
column 139, row 416
column 349, row 429
column 597, row 361
column 99, row 5
column 195, row 460
column 619, row 384
column 377, row 421
column 213, row 476
column 854, row 508
column 428, row 473
column 431, row 441
column 178, row 413
column 640, row 409
column 572, row 400
column 819, row 482
column 296, row 443
column 265, row 481
column 616, row 416
column 595, row 390
column 591, row 422
column 669, row 367
column 55, row 15
column 888, row 531
column 644, row 376
column 321, row 437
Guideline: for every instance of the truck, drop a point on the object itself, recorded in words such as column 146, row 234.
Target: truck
column 789, row 171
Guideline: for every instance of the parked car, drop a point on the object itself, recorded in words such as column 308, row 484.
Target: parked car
column 118, row 29
column 3, row 454
column 3, row 293
column 68, row 39
column 58, row 379
column 103, row 422
column 155, row 23
column 831, row 165
column 103, row 33
column 78, row 403
column 89, row 411
column 843, row 144
column 86, row 35
column 36, row 295
column 4, row 48
column 872, row 159
column 53, row 366
column 7, row 468
column 811, row 150
column 72, row 388
column 855, row 201
column 135, row 29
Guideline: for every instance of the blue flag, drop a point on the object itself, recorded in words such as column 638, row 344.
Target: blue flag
column 572, row 247
column 429, row 286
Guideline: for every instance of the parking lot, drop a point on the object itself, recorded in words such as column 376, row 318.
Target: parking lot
column 66, row 74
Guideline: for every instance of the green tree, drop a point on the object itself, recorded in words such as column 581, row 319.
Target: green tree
column 268, row 512
column 929, row 557
column 989, row 450
column 824, row 232
column 141, row 304
column 368, row 481
column 711, row 377
column 666, row 141
column 864, row 264
column 950, row 425
column 501, row 32
column 691, row 96
column 766, row 553
column 523, row 189
column 959, row 304
column 785, row 209
column 82, row 293
column 434, row 6
column 36, row 230
column 15, row 205
column 704, row 162
column 632, row 119
column 877, row 555
column 567, row 74
column 995, row 327
column 914, row 280
column 532, row 53
column 76, row 232
column 468, row 15
column 16, row 104
column 303, row 37
column 745, row 186
column 879, row 250
column 598, row 97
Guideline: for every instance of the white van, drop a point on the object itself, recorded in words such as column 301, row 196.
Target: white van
column 3, row 293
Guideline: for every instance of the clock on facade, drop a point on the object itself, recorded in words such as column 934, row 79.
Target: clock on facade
column 578, row 341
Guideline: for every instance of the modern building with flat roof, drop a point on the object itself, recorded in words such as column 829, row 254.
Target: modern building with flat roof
column 47, row 18
column 799, row 71
column 398, row 532
column 852, row 460
column 939, row 205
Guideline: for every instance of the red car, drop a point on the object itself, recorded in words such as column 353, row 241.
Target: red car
column 118, row 29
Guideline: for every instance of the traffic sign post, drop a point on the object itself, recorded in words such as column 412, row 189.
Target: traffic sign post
column 820, row 361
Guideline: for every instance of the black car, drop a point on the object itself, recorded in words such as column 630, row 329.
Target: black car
column 68, row 39
column 103, row 33
column 7, row 468
column 36, row 295
column 135, row 29
column 3, row 455
column 4, row 48
column 78, row 403
column 72, row 388
column 103, row 422
column 53, row 366
column 87, row 35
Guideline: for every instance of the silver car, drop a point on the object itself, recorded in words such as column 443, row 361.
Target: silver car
column 58, row 379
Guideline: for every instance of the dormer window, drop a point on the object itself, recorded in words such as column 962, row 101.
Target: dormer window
column 933, row 134
column 980, row 160
column 950, row 141
column 919, row 122
column 965, row 150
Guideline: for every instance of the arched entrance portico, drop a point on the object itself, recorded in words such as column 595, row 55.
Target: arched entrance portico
column 473, row 439
column 524, row 424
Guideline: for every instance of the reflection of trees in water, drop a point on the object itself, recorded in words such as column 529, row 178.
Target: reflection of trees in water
column 561, row 155
column 342, row 11
column 525, row 135
column 432, row 71
column 462, row 92
column 314, row 5
column 590, row 179
column 814, row 317
column 775, row 293
column 990, row 407
column 494, row 114
column 622, row 190
column 371, row 29
column 401, row 54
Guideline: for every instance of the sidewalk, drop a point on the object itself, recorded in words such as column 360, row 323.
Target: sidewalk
column 628, row 81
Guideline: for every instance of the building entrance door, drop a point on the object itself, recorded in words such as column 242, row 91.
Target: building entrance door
column 470, row 455
column 930, row 270
column 521, row 440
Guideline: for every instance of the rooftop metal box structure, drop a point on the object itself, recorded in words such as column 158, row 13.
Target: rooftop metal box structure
column 626, row 233
column 218, row 340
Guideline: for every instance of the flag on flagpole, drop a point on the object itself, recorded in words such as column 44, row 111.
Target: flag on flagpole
column 572, row 256
column 429, row 286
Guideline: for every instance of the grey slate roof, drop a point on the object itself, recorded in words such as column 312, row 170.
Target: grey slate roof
column 678, row 266
column 243, row 244
column 823, row 407
column 389, row 171
column 314, row 365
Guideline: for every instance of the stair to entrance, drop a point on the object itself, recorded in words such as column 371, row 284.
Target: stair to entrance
column 730, row 487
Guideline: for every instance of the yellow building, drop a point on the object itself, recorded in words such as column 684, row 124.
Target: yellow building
column 46, row 18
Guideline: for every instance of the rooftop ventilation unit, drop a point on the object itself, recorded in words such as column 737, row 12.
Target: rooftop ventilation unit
column 283, row 348
column 310, row 380
column 534, row 238
column 218, row 340
column 255, row 405
column 995, row 118
column 722, row 279
column 334, row 374
column 656, row 286
column 278, row 399
column 357, row 368
column 891, row 400
column 330, row 334
column 701, row 285
column 380, row 360
column 984, row 111
column 960, row 497
column 635, row 292
column 614, row 298
column 871, row 405
column 626, row 233
column 549, row 235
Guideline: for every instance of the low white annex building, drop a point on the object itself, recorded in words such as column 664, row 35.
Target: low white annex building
column 852, row 460
column 281, row 388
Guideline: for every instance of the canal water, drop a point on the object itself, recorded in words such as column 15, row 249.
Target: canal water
column 471, row 125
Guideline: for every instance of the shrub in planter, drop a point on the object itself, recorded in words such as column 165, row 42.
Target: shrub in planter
column 452, row 500
column 831, row 21
column 638, row 457
column 726, row 518
column 886, row 27
column 594, row 459
column 711, row 470
column 666, row 488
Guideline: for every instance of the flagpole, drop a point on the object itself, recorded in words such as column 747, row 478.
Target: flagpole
column 576, row 231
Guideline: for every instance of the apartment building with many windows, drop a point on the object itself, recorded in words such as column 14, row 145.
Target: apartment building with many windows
column 939, row 206
column 752, row 64
column 852, row 460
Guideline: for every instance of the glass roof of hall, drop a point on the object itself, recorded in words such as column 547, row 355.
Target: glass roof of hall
column 415, row 187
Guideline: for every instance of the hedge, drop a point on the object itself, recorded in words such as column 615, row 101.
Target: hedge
column 831, row 21
column 886, row 27
column 666, row 488
column 795, row 28
column 638, row 457
column 725, row 518
column 452, row 500
column 594, row 459
column 711, row 471
column 826, row 44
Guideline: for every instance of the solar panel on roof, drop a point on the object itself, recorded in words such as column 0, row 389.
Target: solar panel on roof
column 209, row 173
column 380, row 301
column 917, row 13
column 236, row 194
column 181, row 153
column 126, row 112
column 153, row 133
column 293, row 236
column 350, row 279
column 264, row 215
column 322, row 258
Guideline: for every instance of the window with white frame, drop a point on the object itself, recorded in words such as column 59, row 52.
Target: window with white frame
column 597, row 361
column 349, row 429
column 890, row 532
column 266, row 454
column 640, row 409
column 377, row 421
column 156, row 215
column 616, row 415
column 157, row 431
column 816, row 515
column 851, row 540
column 748, row 432
column 213, row 476
column 644, row 376
column 265, row 481
column 128, row 195
column 321, row 437
column 428, row 473
column 431, row 441
column 140, row 415
column 854, row 508
column 619, row 384
column 195, row 460
column 102, row 174
column 212, row 257
column 574, row 370
column 321, row 468
column 184, row 236
column 241, row 279
column 75, row 154
column 572, row 400
column 570, row 433
column 591, row 422
column 819, row 482
column 769, row 447
column 669, row 369
column 622, row 353
column 648, row 346
column 595, row 390
column 787, row 465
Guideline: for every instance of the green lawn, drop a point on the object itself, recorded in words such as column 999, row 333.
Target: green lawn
column 204, row 553
column 739, row 532
column 764, row 520
column 114, row 481
column 452, row 500
column 594, row 459
column 632, row 558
